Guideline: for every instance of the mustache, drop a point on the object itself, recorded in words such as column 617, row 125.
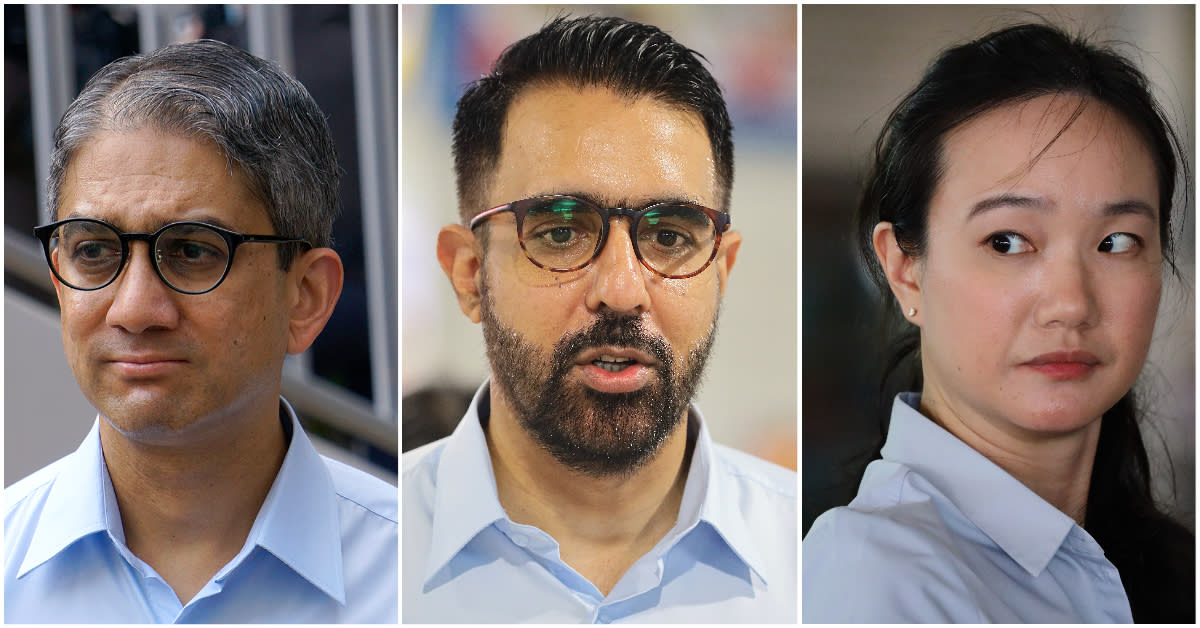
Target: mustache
column 612, row 329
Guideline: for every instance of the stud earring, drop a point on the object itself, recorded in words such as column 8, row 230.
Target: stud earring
column 912, row 311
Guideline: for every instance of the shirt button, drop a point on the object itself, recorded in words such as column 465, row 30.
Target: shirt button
column 520, row 539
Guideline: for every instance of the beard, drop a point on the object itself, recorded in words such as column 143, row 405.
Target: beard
column 592, row 432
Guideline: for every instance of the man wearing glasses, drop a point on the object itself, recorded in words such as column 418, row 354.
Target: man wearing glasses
column 594, row 167
column 194, row 190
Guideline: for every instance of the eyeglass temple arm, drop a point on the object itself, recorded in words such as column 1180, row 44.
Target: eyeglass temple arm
column 487, row 213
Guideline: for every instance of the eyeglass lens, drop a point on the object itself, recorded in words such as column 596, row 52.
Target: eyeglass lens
column 562, row 234
column 189, row 257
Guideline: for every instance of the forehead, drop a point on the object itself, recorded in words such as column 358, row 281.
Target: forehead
column 1051, row 148
column 145, row 176
column 565, row 139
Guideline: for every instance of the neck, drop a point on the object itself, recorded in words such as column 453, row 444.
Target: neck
column 187, row 509
column 603, row 524
column 1057, row 467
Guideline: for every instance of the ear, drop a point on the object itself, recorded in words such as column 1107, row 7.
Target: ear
column 900, row 269
column 727, row 255
column 458, row 253
column 58, row 287
column 315, row 283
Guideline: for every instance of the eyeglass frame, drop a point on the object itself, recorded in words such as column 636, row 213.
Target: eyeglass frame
column 721, row 223
column 233, row 239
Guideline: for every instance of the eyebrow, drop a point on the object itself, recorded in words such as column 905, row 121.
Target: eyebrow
column 627, row 203
column 1032, row 202
column 207, row 219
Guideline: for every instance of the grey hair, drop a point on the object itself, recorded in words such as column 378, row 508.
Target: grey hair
column 263, row 121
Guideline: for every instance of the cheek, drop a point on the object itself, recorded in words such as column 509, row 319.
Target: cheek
column 686, row 310
column 971, row 318
column 1133, row 302
column 81, row 312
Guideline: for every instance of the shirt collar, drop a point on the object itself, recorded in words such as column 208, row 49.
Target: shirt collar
column 466, row 500
column 462, row 508
column 710, row 492
column 80, row 502
column 298, row 521
column 1024, row 525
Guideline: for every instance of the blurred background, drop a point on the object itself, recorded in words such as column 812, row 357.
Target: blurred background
column 345, row 387
column 858, row 63
column 749, row 394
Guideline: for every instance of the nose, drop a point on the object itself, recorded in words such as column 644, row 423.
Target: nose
column 1067, row 296
column 141, row 302
column 619, row 279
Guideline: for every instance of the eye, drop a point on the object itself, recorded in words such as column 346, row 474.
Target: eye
column 669, row 238
column 1009, row 243
column 560, row 235
column 93, row 250
column 1119, row 243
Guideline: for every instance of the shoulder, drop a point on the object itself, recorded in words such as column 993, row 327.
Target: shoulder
column 418, row 474
column 31, row 486
column 25, row 498
column 754, row 474
column 363, row 492
column 893, row 555
column 24, row 503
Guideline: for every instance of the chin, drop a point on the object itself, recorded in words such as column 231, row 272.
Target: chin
column 145, row 417
column 1060, row 418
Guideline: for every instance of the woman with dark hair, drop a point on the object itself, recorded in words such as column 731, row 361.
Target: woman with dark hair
column 1019, row 211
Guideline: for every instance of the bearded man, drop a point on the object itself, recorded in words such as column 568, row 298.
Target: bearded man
column 594, row 166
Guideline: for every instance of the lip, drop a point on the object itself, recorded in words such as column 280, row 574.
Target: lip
column 629, row 379
column 142, row 366
column 1064, row 365
column 591, row 355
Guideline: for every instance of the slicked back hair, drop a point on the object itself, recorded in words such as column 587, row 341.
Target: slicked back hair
column 263, row 121
column 634, row 60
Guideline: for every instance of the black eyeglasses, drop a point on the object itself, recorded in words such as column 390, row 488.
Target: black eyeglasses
column 190, row 257
column 565, row 233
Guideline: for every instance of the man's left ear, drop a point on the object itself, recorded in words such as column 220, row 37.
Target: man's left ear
column 314, row 285
column 727, row 255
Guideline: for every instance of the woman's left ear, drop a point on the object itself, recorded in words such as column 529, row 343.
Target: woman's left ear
column 314, row 285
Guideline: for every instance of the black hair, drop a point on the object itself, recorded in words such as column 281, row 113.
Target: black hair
column 1153, row 553
column 632, row 59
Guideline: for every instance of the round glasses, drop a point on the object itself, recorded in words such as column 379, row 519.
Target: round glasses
column 190, row 257
column 565, row 233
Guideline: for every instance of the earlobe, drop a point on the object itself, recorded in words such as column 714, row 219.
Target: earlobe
column 900, row 270
column 459, row 256
column 317, row 277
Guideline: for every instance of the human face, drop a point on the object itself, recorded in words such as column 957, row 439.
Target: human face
column 160, row 365
column 1042, row 275
column 547, row 333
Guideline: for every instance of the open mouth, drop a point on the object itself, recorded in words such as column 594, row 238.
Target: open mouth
column 612, row 364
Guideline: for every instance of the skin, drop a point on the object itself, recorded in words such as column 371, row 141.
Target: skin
column 590, row 141
column 986, row 317
column 191, row 435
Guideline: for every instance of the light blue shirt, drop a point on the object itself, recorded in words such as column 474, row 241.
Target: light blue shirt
column 731, row 556
column 321, row 550
column 938, row 533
